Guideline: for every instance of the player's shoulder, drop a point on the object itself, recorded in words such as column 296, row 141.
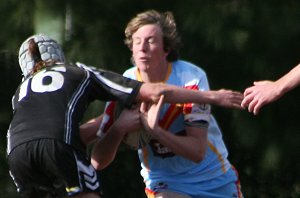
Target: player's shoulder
column 91, row 70
column 69, row 69
column 58, row 66
column 85, row 67
column 130, row 73
column 186, row 66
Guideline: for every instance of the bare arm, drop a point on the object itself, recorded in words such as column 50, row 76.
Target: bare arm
column 290, row 80
column 89, row 129
column 191, row 146
column 106, row 147
column 174, row 94
column 265, row 92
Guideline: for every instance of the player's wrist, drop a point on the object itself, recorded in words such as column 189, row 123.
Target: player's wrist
column 157, row 131
column 212, row 97
column 118, row 129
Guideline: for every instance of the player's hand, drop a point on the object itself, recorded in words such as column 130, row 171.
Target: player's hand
column 150, row 115
column 129, row 120
column 229, row 98
column 262, row 93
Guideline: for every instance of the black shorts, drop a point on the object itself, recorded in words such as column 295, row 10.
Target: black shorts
column 48, row 166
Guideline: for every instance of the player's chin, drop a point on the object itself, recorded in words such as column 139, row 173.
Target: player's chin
column 143, row 64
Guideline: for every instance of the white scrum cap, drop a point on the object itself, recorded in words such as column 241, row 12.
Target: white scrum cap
column 49, row 49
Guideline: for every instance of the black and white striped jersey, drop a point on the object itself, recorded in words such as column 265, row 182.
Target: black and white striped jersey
column 51, row 103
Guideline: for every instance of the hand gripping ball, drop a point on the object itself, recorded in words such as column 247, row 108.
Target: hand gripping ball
column 135, row 139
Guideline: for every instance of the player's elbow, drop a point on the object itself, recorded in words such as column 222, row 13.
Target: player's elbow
column 199, row 155
column 198, row 158
column 97, row 165
column 97, row 162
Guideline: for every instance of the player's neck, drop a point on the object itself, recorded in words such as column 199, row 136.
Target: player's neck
column 157, row 74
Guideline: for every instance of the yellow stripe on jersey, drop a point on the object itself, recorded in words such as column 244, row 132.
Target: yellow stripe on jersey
column 138, row 75
column 220, row 158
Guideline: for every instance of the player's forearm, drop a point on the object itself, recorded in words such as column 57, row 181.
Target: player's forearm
column 105, row 149
column 190, row 147
column 218, row 98
column 289, row 81
column 174, row 94
column 102, row 156
column 151, row 92
column 89, row 129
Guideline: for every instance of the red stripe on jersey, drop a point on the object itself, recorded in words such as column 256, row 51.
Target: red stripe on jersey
column 172, row 113
column 109, row 112
column 187, row 107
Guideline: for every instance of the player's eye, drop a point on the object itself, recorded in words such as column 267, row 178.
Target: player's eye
column 136, row 41
column 151, row 40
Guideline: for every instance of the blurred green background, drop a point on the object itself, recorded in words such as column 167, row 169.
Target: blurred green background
column 234, row 41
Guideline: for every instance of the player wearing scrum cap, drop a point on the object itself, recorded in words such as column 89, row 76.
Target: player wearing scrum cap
column 46, row 154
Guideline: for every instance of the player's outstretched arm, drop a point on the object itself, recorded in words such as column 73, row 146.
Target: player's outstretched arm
column 265, row 92
column 174, row 94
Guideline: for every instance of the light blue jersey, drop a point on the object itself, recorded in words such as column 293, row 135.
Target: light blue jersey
column 163, row 170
